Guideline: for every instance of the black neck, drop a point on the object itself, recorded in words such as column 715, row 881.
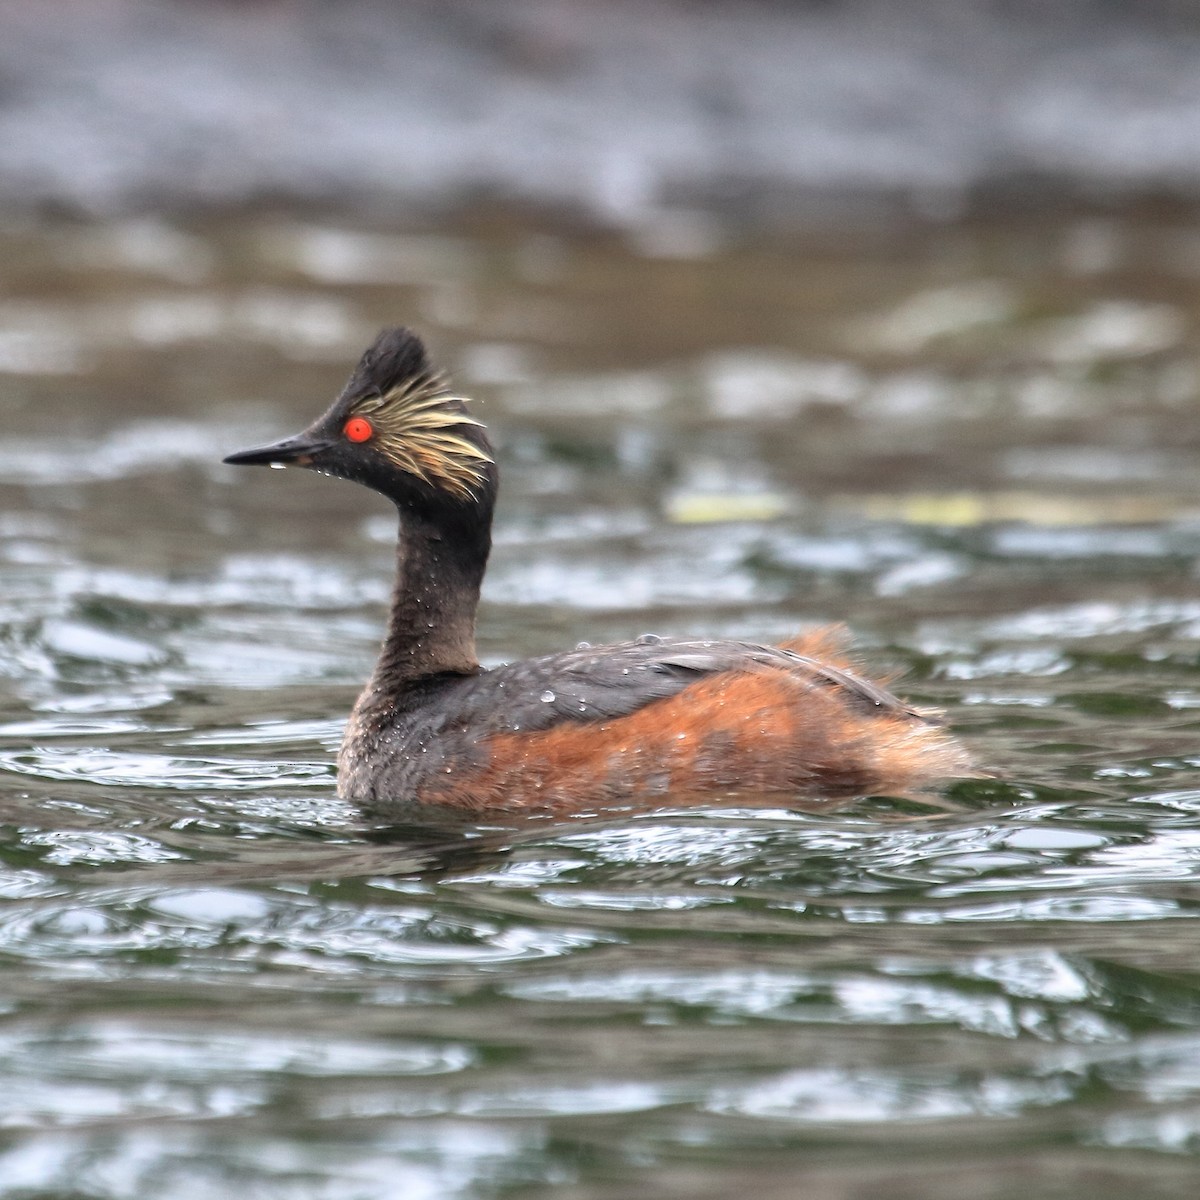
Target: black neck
column 431, row 627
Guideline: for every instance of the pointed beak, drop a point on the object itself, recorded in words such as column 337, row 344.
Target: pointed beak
column 294, row 451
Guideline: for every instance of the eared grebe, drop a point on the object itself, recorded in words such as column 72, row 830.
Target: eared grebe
column 655, row 719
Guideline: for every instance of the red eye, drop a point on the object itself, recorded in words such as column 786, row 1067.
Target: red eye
column 358, row 429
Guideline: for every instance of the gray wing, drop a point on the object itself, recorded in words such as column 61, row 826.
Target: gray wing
column 596, row 684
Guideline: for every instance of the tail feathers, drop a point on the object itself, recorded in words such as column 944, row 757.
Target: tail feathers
column 916, row 752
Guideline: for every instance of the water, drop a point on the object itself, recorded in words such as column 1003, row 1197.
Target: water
column 976, row 445
column 629, row 116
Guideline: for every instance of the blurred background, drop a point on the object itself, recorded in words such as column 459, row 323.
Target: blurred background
column 781, row 313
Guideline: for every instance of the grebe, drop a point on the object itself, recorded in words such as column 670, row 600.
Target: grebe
column 657, row 720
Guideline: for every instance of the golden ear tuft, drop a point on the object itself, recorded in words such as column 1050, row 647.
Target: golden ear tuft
column 417, row 425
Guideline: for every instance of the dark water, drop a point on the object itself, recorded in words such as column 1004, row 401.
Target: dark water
column 976, row 446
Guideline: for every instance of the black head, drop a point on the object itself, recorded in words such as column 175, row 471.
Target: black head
column 395, row 428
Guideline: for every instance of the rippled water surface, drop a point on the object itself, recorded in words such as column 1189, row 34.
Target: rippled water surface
column 977, row 446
